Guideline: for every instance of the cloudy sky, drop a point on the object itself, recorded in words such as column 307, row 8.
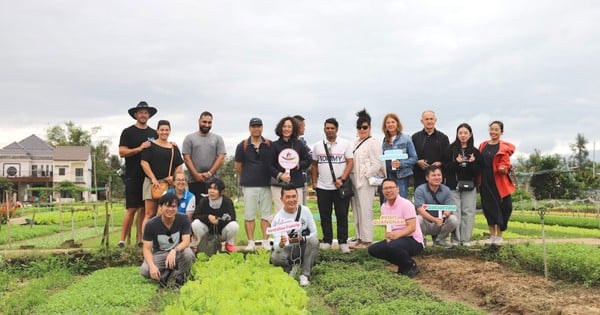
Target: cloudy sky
column 535, row 65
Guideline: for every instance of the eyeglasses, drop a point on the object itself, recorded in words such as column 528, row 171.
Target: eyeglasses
column 388, row 187
column 363, row 127
column 180, row 180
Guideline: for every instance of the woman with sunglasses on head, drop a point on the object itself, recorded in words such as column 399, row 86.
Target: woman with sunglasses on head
column 461, row 166
column 187, row 200
column 398, row 169
column 496, row 184
column 366, row 164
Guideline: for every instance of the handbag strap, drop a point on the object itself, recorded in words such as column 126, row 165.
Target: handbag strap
column 171, row 162
column 329, row 161
column 358, row 146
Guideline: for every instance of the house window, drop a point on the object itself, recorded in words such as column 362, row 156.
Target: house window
column 61, row 171
column 34, row 171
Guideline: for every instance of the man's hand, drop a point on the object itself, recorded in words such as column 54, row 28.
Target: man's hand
column 283, row 241
column 213, row 219
column 154, row 272
column 297, row 239
column 170, row 261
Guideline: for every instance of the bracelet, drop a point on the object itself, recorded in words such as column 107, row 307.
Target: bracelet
column 209, row 173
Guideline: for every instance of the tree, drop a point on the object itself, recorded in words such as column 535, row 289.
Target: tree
column 580, row 152
column 72, row 135
column 103, row 163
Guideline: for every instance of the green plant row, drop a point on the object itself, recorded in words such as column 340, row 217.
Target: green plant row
column 106, row 291
column 55, row 240
column 586, row 223
column 358, row 284
column 566, row 261
column 239, row 284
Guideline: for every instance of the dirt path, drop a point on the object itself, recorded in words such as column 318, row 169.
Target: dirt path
column 493, row 288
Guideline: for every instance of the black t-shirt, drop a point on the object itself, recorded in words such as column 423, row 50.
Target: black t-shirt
column 133, row 137
column 159, row 157
column 431, row 148
column 163, row 238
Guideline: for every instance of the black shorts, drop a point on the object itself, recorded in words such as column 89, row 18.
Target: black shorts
column 133, row 192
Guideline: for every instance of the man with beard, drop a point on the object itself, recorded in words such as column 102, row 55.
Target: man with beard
column 203, row 154
column 134, row 139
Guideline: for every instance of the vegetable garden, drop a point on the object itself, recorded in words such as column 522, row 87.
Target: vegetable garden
column 102, row 280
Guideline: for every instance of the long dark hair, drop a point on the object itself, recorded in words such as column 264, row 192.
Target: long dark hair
column 456, row 144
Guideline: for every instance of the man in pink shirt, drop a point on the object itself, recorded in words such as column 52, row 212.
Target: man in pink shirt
column 404, row 239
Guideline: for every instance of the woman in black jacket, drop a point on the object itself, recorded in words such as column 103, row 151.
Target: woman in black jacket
column 461, row 167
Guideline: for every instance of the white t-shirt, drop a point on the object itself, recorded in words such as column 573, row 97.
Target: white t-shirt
column 340, row 151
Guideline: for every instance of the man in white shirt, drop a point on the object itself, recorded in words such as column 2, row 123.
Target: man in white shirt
column 295, row 247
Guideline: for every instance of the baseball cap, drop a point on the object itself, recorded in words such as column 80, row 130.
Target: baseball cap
column 255, row 121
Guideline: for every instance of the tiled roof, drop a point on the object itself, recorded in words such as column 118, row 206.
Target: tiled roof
column 30, row 146
column 72, row 153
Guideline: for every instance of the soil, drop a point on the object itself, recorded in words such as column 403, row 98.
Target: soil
column 495, row 289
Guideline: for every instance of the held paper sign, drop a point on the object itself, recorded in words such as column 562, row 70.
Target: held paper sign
column 393, row 155
column 439, row 207
column 388, row 219
column 288, row 159
column 284, row 227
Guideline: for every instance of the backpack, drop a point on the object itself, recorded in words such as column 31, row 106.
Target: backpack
column 245, row 143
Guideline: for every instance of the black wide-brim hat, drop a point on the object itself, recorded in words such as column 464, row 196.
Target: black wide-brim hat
column 142, row 105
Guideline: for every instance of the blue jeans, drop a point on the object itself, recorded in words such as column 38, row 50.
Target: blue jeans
column 402, row 185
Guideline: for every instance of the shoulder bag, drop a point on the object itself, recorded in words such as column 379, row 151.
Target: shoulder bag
column 345, row 191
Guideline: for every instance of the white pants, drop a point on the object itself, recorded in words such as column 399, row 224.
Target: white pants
column 200, row 230
column 362, row 208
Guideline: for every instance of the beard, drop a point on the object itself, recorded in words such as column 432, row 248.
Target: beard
column 204, row 129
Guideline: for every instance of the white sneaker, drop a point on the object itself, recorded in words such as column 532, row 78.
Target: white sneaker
column 266, row 245
column 490, row 241
column 497, row 240
column 250, row 246
column 304, row 281
column 344, row 248
column 293, row 271
column 455, row 243
column 467, row 244
column 325, row 246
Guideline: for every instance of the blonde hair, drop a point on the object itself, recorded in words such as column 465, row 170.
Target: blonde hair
column 386, row 133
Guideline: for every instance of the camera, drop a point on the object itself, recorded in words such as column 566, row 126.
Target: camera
column 293, row 234
column 225, row 218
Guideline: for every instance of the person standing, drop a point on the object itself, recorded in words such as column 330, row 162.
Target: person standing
column 300, row 245
column 366, row 153
column 404, row 240
column 159, row 162
column 461, row 163
column 287, row 130
column 301, row 129
column 496, row 184
column 134, row 139
column 252, row 163
column 394, row 139
column 166, row 249
column 430, row 144
column 203, row 154
column 437, row 223
column 332, row 155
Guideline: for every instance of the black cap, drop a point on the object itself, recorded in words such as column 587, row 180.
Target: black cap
column 255, row 122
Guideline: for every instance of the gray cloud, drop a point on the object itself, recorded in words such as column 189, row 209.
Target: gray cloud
column 531, row 64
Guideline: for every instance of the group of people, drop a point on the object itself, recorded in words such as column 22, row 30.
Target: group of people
column 276, row 172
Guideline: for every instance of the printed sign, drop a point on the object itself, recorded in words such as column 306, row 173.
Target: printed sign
column 388, row 219
column 292, row 225
column 393, row 155
column 288, row 159
column 439, row 207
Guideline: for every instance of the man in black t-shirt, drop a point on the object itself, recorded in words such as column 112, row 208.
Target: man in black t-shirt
column 134, row 139
column 166, row 250
column 430, row 144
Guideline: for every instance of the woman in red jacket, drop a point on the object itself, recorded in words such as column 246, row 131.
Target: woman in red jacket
column 496, row 185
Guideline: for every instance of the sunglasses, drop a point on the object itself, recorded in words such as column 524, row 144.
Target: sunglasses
column 170, row 238
column 363, row 127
